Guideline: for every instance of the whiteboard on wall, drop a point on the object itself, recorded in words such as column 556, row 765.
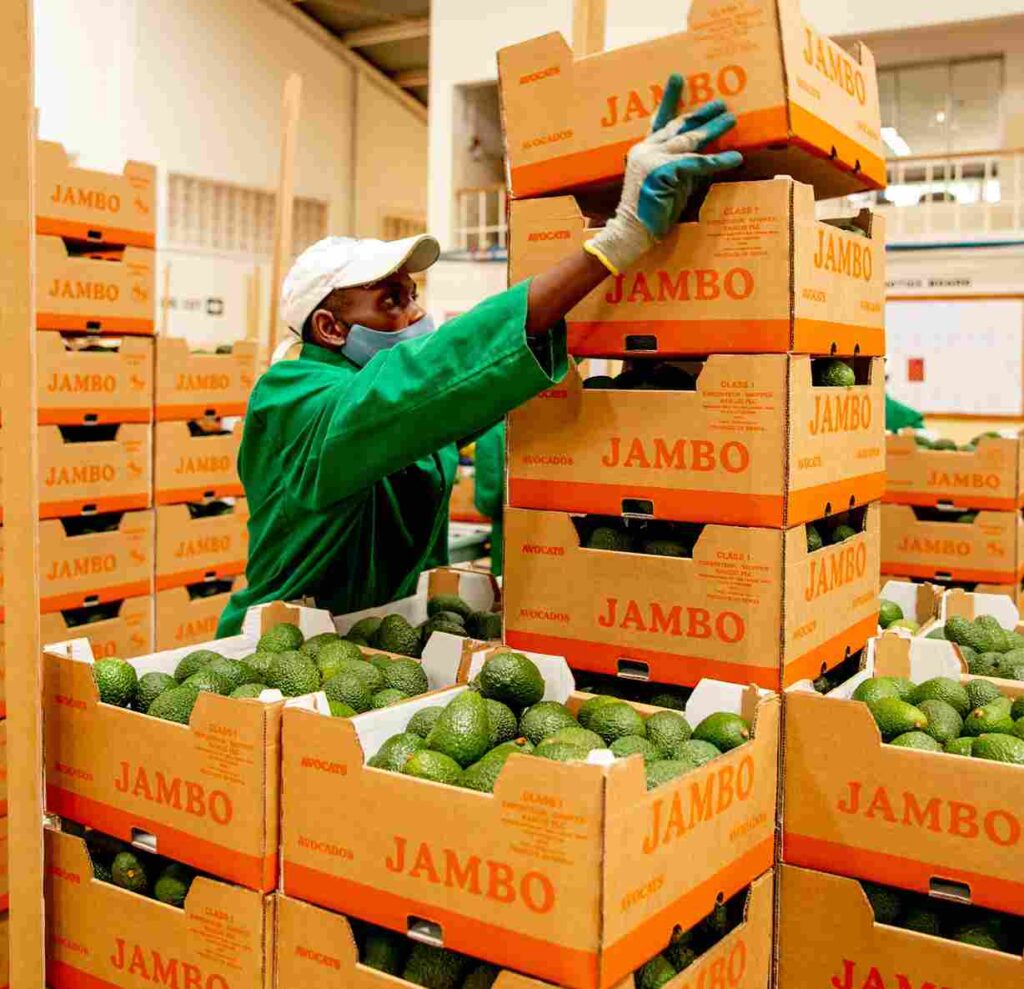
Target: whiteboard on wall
column 956, row 356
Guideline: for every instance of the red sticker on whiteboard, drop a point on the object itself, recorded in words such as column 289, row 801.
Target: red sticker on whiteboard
column 915, row 369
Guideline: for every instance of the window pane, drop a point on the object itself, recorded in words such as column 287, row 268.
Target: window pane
column 976, row 90
column 922, row 112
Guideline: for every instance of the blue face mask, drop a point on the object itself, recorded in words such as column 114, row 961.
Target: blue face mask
column 362, row 342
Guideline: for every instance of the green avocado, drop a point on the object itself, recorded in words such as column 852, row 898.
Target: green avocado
column 463, row 731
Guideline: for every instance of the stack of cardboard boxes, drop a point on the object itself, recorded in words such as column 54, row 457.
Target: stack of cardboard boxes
column 953, row 516
column 201, row 516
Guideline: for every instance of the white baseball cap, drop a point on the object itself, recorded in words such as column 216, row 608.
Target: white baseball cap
column 347, row 262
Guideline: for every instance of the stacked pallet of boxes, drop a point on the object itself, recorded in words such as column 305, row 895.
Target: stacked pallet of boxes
column 953, row 514
column 201, row 516
column 654, row 534
column 95, row 294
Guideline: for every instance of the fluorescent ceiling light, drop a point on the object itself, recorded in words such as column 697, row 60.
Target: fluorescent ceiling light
column 894, row 142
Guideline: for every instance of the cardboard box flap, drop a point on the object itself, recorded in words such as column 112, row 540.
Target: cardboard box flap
column 919, row 602
column 963, row 604
column 892, row 654
column 261, row 618
column 558, row 679
column 711, row 696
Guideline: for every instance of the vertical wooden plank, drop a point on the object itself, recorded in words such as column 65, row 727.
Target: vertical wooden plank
column 588, row 19
column 20, row 471
column 252, row 304
column 290, row 101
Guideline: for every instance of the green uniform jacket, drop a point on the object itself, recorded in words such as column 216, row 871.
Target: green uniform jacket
column 349, row 470
column 899, row 416
column 489, row 487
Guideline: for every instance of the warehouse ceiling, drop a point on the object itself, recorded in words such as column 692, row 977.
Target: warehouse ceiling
column 393, row 35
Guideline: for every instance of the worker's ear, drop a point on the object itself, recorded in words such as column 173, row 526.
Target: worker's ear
column 327, row 330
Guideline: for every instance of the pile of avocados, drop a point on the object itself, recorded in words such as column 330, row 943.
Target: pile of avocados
column 441, row 968
column 466, row 740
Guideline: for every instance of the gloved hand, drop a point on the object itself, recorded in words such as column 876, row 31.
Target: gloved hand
column 661, row 173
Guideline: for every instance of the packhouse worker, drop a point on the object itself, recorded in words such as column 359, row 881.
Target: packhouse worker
column 349, row 452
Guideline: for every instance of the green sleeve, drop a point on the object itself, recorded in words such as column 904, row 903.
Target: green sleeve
column 410, row 401
column 899, row 416
column 489, row 475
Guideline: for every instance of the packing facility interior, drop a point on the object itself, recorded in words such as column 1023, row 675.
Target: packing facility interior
column 238, row 133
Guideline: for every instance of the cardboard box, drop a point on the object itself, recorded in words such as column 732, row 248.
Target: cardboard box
column 5, row 951
column 190, row 549
column 571, row 873
column 100, row 207
column 757, row 273
column 923, row 821
column 101, row 295
column 122, row 629
column 756, row 444
column 83, row 476
column 206, row 793
column 988, row 477
column 751, row 606
column 990, row 549
column 477, row 588
column 852, row 949
column 77, row 571
column 196, row 468
column 5, row 899
column 101, row 935
column 3, row 771
column 804, row 105
column 3, row 679
column 191, row 384
column 78, row 386
column 316, row 949
column 190, row 615
column 920, row 602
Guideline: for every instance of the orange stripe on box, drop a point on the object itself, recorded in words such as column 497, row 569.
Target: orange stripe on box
column 61, row 975
column 175, row 413
column 185, row 577
column 253, row 871
column 965, row 501
column 78, row 417
column 76, row 506
column 993, row 892
column 968, row 574
column 757, row 128
column 830, row 653
column 608, row 338
column 174, row 496
column 131, row 325
column 83, row 231
column 817, row 336
column 808, row 504
column 77, row 599
column 819, row 136
column 663, row 667
column 569, row 967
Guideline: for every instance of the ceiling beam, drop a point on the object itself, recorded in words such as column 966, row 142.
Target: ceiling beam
column 384, row 33
column 412, row 79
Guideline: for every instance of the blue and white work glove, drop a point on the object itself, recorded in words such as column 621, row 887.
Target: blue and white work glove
column 662, row 172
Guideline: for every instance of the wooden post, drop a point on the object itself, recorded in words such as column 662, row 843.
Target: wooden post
column 290, row 101
column 252, row 304
column 588, row 18
column 20, row 471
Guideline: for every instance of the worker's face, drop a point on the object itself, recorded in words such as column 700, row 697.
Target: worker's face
column 388, row 306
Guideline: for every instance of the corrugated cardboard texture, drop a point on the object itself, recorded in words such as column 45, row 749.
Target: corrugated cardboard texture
column 572, row 873
column 987, row 477
column 190, row 550
column 128, row 634
column 77, row 387
column 183, row 620
column 190, row 384
column 316, row 950
column 78, row 571
column 3, row 673
column 101, row 476
column 100, row 207
column 207, row 792
column 991, row 548
column 5, row 954
column 3, row 771
column 195, row 468
column 569, row 122
column 4, row 853
column 114, row 294
column 855, row 806
column 829, row 937
column 758, row 273
column 756, row 444
column 101, row 935
column 716, row 615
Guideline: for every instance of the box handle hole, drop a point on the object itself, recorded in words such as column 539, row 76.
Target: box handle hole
column 636, row 343
column 425, row 931
column 92, row 324
column 144, row 840
column 637, row 506
column 633, row 669
column 947, row 889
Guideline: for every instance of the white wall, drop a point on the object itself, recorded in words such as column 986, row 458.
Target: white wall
column 465, row 37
